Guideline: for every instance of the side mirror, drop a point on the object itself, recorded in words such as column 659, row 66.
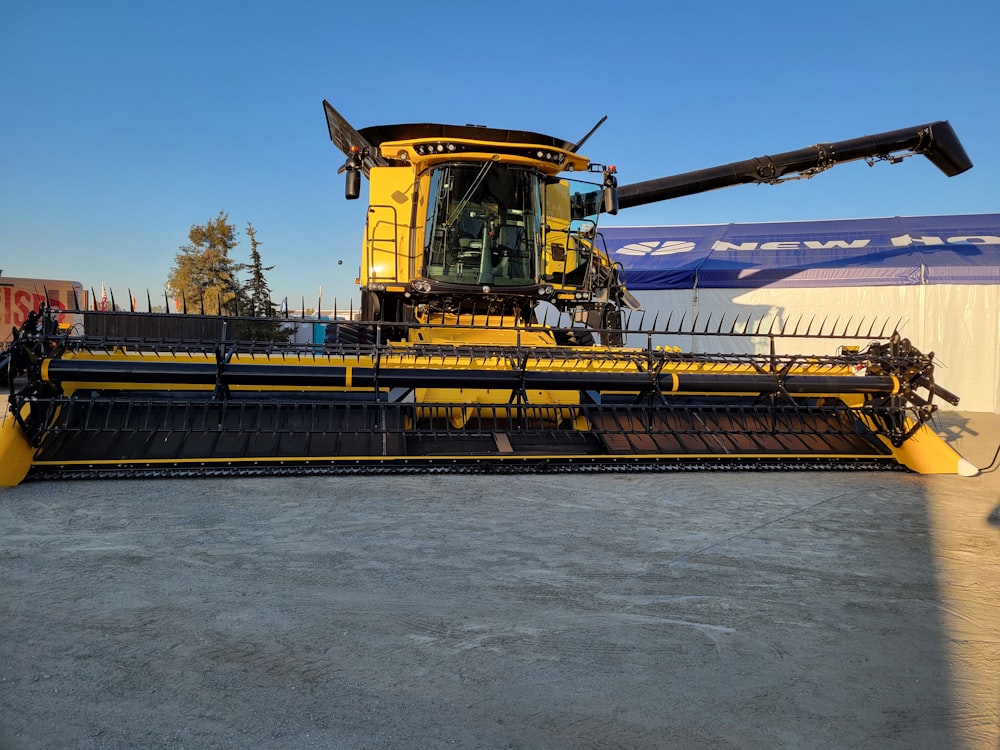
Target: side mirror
column 609, row 194
column 610, row 198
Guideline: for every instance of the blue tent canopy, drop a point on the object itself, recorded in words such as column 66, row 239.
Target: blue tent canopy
column 892, row 251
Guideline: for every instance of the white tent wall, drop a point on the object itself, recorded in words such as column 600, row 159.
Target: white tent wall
column 960, row 323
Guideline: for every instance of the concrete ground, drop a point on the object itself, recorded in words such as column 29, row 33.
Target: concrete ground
column 678, row 610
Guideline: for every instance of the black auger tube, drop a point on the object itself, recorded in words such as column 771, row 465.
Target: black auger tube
column 119, row 374
column 937, row 141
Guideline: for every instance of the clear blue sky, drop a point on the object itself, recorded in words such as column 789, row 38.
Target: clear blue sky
column 124, row 123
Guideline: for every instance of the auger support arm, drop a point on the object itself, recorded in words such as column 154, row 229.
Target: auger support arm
column 937, row 141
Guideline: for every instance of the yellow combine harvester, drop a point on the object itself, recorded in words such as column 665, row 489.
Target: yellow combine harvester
column 494, row 335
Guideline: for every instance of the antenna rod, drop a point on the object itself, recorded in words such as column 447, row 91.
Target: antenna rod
column 579, row 143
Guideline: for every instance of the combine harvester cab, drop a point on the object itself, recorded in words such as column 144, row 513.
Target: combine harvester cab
column 494, row 335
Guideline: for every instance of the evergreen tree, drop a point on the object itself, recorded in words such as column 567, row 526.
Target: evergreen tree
column 257, row 290
column 256, row 299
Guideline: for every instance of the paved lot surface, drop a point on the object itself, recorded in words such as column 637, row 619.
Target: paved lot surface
column 689, row 610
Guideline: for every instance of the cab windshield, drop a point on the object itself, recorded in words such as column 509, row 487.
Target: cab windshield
column 483, row 225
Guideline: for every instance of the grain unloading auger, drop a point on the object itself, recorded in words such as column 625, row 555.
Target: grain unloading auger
column 494, row 334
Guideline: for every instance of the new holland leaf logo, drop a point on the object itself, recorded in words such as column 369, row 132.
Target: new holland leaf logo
column 656, row 247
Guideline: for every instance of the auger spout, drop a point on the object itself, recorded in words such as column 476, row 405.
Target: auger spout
column 937, row 141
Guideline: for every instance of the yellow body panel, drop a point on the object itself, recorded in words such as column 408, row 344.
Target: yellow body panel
column 926, row 453
column 15, row 451
column 479, row 151
column 387, row 255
